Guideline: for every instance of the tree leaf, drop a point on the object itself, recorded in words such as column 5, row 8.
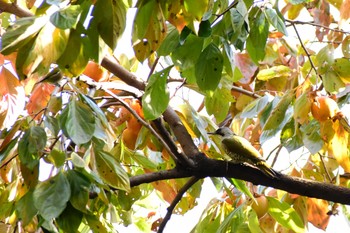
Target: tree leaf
column 284, row 214
column 156, row 97
column 12, row 98
column 110, row 19
column 31, row 145
column 70, row 219
column 25, row 208
column 79, row 123
column 274, row 72
column 80, row 187
column 209, row 67
column 51, row 196
column 218, row 103
column 256, row 41
column 21, row 33
column 311, row 136
column 275, row 20
column 170, row 43
column 66, row 18
column 48, row 46
column 278, row 118
column 74, row 58
column 110, row 170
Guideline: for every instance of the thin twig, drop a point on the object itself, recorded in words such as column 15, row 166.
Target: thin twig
column 144, row 123
column 324, row 167
column 245, row 92
column 233, row 4
column 316, row 25
column 153, row 68
column 307, row 52
column 176, row 200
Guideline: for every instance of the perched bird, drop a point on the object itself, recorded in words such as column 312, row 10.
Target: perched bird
column 241, row 151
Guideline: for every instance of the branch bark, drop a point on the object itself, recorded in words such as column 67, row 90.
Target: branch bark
column 217, row 168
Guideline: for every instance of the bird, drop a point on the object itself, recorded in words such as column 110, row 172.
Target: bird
column 240, row 150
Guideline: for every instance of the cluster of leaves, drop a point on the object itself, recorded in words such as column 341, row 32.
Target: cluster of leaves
column 93, row 129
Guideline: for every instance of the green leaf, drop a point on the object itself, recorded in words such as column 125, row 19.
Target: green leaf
column 275, row 20
column 111, row 171
column 218, row 103
column 156, row 97
column 74, row 58
column 241, row 186
column 311, row 136
column 21, row 33
column 110, row 19
column 332, row 82
column 57, row 157
column 209, row 67
column 204, row 29
column 80, row 122
column 232, row 221
column 95, row 224
column 142, row 18
column 284, row 214
column 170, row 43
column 256, row 41
column 278, row 118
column 253, row 221
column 70, row 219
column 51, row 196
column 80, row 186
column 99, row 113
column 7, row 149
column 31, row 145
column 254, row 108
column 25, row 208
column 66, row 18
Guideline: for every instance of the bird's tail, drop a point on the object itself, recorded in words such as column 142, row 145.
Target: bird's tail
column 266, row 169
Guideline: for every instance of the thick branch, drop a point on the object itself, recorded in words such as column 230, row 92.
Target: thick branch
column 13, row 8
column 218, row 168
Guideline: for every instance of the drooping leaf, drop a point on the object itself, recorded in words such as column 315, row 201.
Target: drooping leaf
column 275, row 20
column 278, row 118
column 209, row 67
column 218, row 103
column 79, row 122
column 21, row 33
column 25, row 208
column 31, row 145
column 156, row 97
column 70, row 219
column 110, row 19
column 95, row 224
column 302, row 108
column 284, row 214
column 74, row 58
column 110, row 170
column 12, row 98
column 149, row 29
column 48, row 46
column 256, row 41
column 51, row 196
column 66, row 18
column 80, row 187
column 170, row 43
column 311, row 136
column 39, row 99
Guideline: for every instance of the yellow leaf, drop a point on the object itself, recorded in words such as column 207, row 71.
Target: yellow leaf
column 12, row 98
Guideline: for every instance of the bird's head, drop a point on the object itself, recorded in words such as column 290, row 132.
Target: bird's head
column 223, row 131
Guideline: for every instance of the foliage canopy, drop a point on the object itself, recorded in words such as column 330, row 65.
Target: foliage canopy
column 113, row 140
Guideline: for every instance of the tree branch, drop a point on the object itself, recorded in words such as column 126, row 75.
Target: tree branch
column 214, row 168
column 13, row 8
column 176, row 200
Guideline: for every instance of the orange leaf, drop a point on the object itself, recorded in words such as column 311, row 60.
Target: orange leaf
column 317, row 213
column 11, row 98
column 344, row 12
column 166, row 191
column 39, row 99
